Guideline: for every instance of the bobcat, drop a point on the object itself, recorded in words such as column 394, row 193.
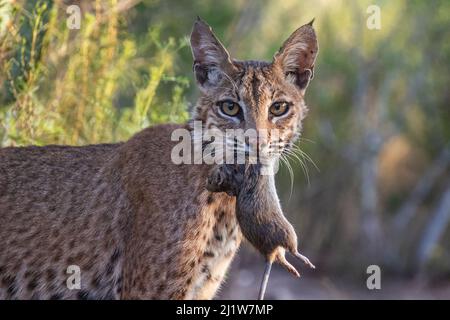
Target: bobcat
column 136, row 224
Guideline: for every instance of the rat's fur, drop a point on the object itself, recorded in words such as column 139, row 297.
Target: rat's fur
column 257, row 207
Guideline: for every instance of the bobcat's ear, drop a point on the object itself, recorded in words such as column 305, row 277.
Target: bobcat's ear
column 212, row 61
column 297, row 56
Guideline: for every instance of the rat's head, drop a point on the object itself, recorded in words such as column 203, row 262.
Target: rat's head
column 264, row 96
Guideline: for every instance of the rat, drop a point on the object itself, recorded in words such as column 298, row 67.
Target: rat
column 259, row 213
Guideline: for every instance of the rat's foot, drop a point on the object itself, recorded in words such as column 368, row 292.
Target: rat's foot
column 281, row 259
column 304, row 259
column 225, row 178
column 216, row 180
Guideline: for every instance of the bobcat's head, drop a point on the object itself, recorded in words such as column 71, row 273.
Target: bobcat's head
column 254, row 94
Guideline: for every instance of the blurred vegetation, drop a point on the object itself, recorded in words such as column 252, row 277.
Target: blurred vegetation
column 92, row 85
column 378, row 127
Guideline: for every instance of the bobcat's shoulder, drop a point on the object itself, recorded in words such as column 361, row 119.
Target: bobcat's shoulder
column 135, row 224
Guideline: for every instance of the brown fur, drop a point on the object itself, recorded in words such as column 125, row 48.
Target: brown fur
column 257, row 206
column 138, row 225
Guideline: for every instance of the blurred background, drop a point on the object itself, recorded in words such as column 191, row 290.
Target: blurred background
column 377, row 190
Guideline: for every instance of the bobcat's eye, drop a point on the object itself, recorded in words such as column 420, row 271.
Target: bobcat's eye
column 229, row 108
column 279, row 108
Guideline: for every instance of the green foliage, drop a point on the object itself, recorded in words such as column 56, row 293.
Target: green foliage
column 61, row 85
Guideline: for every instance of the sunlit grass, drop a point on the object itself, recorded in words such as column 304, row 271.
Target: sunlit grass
column 68, row 82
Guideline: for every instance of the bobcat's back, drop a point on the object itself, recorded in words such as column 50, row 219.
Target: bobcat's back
column 44, row 224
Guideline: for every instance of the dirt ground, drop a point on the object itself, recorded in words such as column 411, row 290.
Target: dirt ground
column 243, row 283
